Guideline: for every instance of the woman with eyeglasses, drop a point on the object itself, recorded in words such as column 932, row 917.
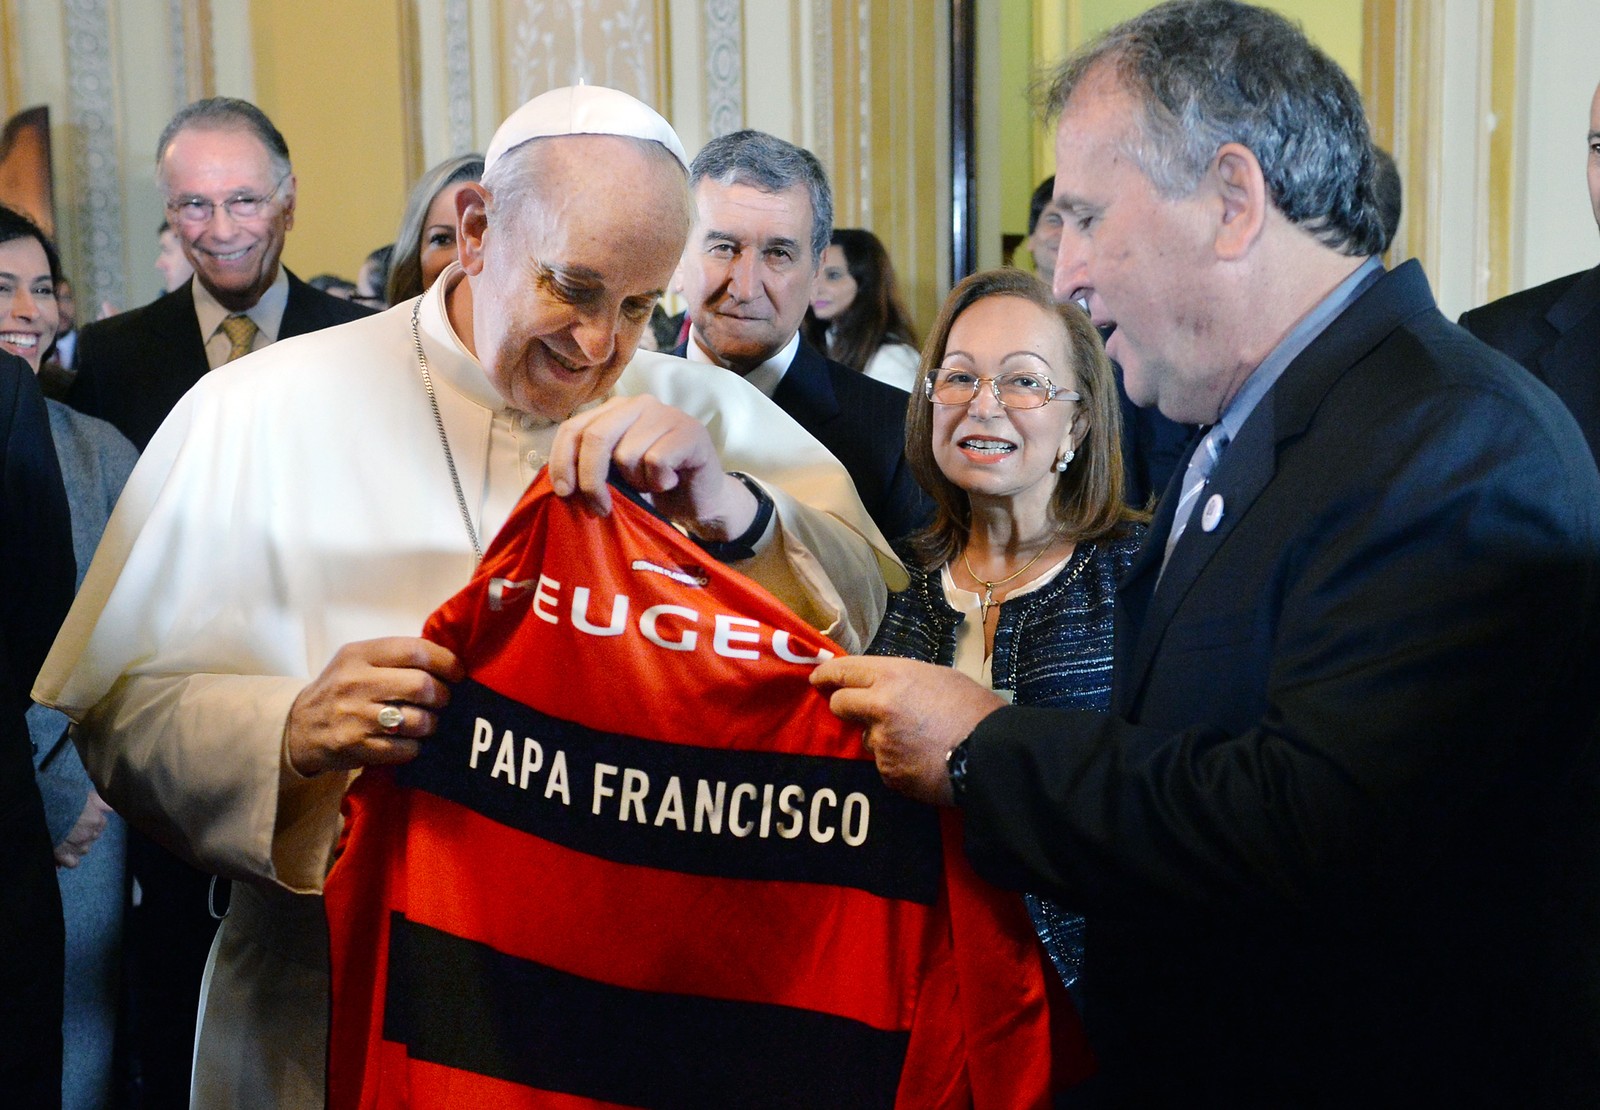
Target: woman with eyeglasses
column 1015, row 432
column 426, row 241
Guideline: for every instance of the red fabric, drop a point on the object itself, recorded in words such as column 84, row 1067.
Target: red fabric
column 962, row 978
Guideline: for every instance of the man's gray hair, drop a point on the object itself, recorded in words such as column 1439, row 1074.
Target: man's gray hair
column 766, row 162
column 1209, row 72
column 227, row 113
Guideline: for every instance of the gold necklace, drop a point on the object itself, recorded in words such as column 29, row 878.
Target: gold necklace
column 988, row 601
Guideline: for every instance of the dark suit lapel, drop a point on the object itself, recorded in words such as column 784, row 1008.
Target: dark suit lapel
column 806, row 391
column 1244, row 470
column 172, row 336
column 301, row 312
column 1249, row 462
column 1136, row 587
column 1576, row 304
column 1537, row 341
column 1570, row 364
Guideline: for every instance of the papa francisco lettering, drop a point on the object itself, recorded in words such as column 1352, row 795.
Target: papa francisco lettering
column 703, row 806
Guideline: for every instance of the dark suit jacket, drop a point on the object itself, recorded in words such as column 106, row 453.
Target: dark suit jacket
column 1553, row 330
column 863, row 423
column 133, row 367
column 1339, row 841
column 36, row 552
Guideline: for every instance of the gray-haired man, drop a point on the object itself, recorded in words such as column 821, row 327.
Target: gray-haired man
column 763, row 215
column 230, row 194
column 1337, row 841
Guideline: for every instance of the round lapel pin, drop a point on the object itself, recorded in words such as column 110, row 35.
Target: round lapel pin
column 1211, row 516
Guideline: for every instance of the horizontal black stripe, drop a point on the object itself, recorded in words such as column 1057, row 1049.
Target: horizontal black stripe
column 899, row 858
column 463, row 1005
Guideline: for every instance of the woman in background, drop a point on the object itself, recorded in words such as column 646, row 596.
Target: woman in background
column 171, row 263
column 1015, row 433
column 856, row 314
column 426, row 241
column 90, row 840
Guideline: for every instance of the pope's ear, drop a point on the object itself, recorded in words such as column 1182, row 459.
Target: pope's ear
column 1242, row 190
column 472, row 226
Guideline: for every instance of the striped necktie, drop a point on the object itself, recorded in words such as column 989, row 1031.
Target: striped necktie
column 241, row 332
column 1195, row 479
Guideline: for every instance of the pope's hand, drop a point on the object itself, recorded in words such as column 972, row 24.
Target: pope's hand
column 661, row 451
column 914, row 714
column 335, row 723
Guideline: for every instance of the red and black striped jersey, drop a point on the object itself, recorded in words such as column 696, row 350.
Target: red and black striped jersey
column 641, row 864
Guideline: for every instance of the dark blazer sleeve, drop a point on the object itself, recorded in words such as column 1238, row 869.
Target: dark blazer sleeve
column 863, row 423
column 1554, row 331
column 311, row 309
column 906, row 508
column 35, row 534
column 133, row 367
column 36, row 549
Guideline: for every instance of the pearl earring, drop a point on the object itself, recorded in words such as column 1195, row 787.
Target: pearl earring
column 1064, row 458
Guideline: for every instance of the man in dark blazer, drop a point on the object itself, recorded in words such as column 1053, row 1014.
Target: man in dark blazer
column 763, row 215
column 1554, row 329
column 230, row 198
column 36, row 551
column 1338, row 842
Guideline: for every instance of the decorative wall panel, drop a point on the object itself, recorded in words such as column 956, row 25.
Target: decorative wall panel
column 821, row 54
column 1440, row 84
column 545, row 44
column 97, row 201
column 724, row 67
column 193, row 61
column 458, row 76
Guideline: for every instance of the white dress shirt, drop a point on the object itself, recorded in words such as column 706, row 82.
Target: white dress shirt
column 764, row 377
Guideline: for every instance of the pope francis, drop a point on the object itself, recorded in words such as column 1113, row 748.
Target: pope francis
column 246, row 637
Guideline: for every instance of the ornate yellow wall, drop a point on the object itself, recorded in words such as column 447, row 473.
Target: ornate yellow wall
column 330, row 76
column 369, row 92
column 1053, row 28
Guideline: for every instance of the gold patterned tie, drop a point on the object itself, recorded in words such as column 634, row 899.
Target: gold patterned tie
column 241, row 332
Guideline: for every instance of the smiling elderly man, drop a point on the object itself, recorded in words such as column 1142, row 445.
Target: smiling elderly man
column 230, row 194
column 247, row 634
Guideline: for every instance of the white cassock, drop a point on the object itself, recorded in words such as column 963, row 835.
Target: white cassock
column 299, row 500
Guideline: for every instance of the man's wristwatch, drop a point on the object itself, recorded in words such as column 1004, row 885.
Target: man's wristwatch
column 742, row 546
column 955, row 762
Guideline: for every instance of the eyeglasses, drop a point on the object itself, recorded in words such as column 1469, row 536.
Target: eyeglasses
column 1017, row 390
column 196, row 211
